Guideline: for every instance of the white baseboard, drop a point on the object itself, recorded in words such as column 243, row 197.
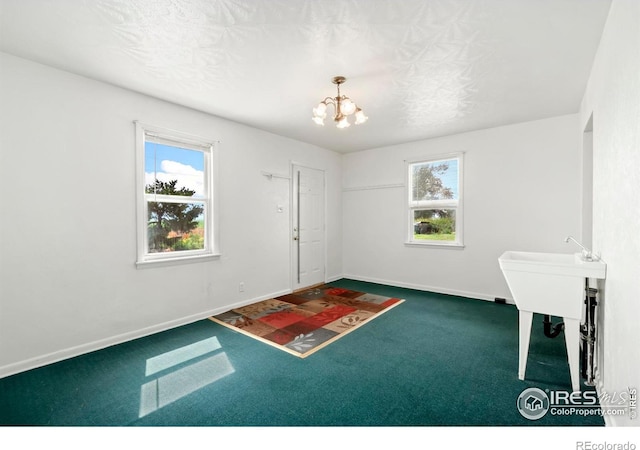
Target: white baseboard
column 50, row 358
column 71, row 352
column 422, row 287
column 252, row 300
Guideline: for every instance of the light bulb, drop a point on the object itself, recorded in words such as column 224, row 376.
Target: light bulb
column 318, row 120
column 343, row 122
column 320, row 110
column 347, row 106
column 360, row 117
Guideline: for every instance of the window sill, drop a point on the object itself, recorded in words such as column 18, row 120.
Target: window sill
column 162, row 262
column 454, row 246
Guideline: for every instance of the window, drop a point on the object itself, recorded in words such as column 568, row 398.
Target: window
column 176, row 208
column 434, row 197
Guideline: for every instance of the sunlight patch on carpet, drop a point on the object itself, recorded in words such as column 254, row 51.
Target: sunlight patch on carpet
column 303, row 322
column 184, row 371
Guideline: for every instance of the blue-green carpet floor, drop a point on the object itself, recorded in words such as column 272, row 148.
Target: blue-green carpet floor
column 434, row 360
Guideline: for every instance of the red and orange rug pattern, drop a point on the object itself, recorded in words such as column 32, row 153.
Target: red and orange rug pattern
column 304, row 322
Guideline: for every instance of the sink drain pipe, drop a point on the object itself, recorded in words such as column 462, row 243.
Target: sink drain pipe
column 588, row 335
column 551, row 330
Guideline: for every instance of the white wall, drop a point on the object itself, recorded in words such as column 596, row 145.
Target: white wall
column 68, row 282
column 613, row 97
column 521, row 192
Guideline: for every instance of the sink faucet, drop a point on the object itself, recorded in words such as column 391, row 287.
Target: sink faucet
column 586, row 253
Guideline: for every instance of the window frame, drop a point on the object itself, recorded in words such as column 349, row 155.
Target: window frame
column 456, row 205
column 150, row 133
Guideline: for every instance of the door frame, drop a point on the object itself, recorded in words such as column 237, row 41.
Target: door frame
column 293, row 207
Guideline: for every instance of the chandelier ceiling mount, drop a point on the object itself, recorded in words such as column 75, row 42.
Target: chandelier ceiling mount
column 343, row 107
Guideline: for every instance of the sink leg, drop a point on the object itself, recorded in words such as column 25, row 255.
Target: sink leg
column 572, row 340
column 525, row 319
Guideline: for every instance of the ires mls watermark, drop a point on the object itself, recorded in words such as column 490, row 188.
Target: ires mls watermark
column 534, row 403
column 628, row 398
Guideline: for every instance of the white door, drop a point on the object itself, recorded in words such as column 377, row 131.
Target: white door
column 308, row 227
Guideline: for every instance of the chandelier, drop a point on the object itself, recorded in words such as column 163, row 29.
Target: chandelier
column 343, row 107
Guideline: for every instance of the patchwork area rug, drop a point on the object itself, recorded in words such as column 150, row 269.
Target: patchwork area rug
column 304, row 322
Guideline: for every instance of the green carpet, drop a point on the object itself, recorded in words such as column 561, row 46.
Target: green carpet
column 434, row 360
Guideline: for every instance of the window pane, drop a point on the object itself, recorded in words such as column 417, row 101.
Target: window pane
column 175, row 226
column 434, row 224
column 173, row 170
column 437, row 180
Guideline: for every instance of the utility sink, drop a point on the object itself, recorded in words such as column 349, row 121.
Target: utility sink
column 552, row 284
column 553, row 263
column 549, row 283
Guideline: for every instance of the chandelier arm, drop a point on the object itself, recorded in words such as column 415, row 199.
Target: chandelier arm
column 338, row 102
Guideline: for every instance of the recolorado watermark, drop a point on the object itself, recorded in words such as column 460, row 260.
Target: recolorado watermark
column 588, row 445
column 534, row 404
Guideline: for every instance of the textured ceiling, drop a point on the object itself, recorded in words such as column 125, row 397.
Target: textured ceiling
column 418, row 68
